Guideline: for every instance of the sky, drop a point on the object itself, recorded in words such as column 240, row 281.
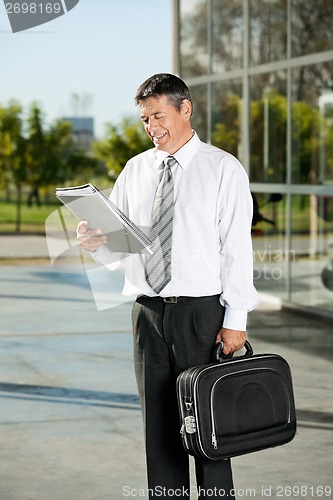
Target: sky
column 101, row 50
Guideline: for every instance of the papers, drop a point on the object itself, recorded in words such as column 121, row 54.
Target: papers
column 88, row 203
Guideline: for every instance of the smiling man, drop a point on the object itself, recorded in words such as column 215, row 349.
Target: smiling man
column 197, row 287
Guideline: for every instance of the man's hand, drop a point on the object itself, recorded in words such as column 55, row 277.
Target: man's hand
column 233, row 340
column 90, row 239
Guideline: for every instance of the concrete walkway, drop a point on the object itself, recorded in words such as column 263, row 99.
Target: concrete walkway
column 70, row 417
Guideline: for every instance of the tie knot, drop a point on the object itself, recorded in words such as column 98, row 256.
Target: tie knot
column 170, row 161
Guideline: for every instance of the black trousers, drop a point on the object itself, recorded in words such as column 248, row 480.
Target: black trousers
column 168, row 338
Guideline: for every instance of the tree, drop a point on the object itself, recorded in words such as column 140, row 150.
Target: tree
column 13, row 152
column 225, row 133
column 268, row 137
column 305, row 143
column 122, row 142
column 35, row 155
column 53, row 157
column 10, row 130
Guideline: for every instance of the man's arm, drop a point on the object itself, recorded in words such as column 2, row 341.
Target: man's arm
column 239, row 295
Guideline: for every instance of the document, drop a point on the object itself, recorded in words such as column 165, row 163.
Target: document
column 89, row 203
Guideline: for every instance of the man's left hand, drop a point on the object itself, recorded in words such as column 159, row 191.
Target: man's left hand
column 233, row 340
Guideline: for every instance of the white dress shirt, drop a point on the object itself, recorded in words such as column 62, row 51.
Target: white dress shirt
column 211, row 240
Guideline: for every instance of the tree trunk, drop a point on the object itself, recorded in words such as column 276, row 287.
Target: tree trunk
column 18, row 207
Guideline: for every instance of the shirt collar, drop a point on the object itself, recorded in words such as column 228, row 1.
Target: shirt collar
column 184, row 155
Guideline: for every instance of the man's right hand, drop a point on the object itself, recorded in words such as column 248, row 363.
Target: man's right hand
column 89, row 239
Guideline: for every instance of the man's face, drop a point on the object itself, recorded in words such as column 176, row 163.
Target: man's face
column 168, row 128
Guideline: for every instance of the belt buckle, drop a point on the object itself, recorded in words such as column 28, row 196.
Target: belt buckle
column 170, row 300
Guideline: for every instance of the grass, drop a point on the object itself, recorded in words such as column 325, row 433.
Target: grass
column 32, row 218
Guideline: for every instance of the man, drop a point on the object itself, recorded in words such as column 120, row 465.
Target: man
column 197, row 288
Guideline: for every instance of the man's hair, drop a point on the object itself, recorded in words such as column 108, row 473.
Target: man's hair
column 165, row 84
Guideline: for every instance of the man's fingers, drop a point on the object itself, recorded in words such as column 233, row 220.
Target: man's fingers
column 226, row 349
column 82, row 227
column 232, row 346
column 91, row 233
column 92, row 243
column 89, row 239
column 83, row 233
column 229, row 348
column 233, row 340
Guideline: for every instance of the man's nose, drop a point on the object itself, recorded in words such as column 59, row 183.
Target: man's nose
column 151, row 125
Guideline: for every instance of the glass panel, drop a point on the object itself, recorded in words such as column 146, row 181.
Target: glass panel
column 227, row 116
column 193, row 38
column 312, row 124
column 227, row 35
column 311, row 26
column 268, row 31
column 268, row 125
column 268, row 238
column 312, row 243
column 199, row 118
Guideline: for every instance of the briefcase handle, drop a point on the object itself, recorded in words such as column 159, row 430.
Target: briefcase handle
column 219, row 356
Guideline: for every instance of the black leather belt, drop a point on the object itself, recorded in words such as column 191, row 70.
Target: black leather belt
column 175, row 300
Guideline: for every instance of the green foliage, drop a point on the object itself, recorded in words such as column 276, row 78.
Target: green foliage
column 122, row 142
column 311, row 134
column 33, row 155
column 305, row 141
column 268, row 137
column 226, row 135
column 11, row 143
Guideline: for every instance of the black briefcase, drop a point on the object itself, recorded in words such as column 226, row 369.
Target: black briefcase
column 237, row 405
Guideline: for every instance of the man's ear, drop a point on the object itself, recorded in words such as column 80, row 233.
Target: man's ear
column 186, row 109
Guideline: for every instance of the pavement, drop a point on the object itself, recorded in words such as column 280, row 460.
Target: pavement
column 70, row 416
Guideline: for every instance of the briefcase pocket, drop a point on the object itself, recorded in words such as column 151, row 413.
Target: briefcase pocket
column 242, row 403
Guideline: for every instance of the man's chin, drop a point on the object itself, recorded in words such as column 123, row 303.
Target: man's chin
column 160, row 146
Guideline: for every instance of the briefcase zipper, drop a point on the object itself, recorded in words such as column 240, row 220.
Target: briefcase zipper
column 186, row 425
column 188, row 403
column 190, row 432
column 214, row 440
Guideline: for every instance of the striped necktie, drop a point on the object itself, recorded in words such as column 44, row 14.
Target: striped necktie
column 158, row 265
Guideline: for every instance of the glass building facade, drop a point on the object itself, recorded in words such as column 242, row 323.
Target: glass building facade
column 261, row 77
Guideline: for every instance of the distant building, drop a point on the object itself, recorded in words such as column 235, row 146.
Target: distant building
column 83, row 130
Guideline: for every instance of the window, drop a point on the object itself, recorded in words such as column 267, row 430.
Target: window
column 227, row 35
column 312, row 244
column 199, row 118
column 312, row 124
column 268, row 127
column 268, row 31
column 227, row 116
column 270, row 257
column 193, row 38
column 311, row 27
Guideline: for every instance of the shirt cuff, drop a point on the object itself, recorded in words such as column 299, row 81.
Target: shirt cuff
column 103, row 256
column 235, row 319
